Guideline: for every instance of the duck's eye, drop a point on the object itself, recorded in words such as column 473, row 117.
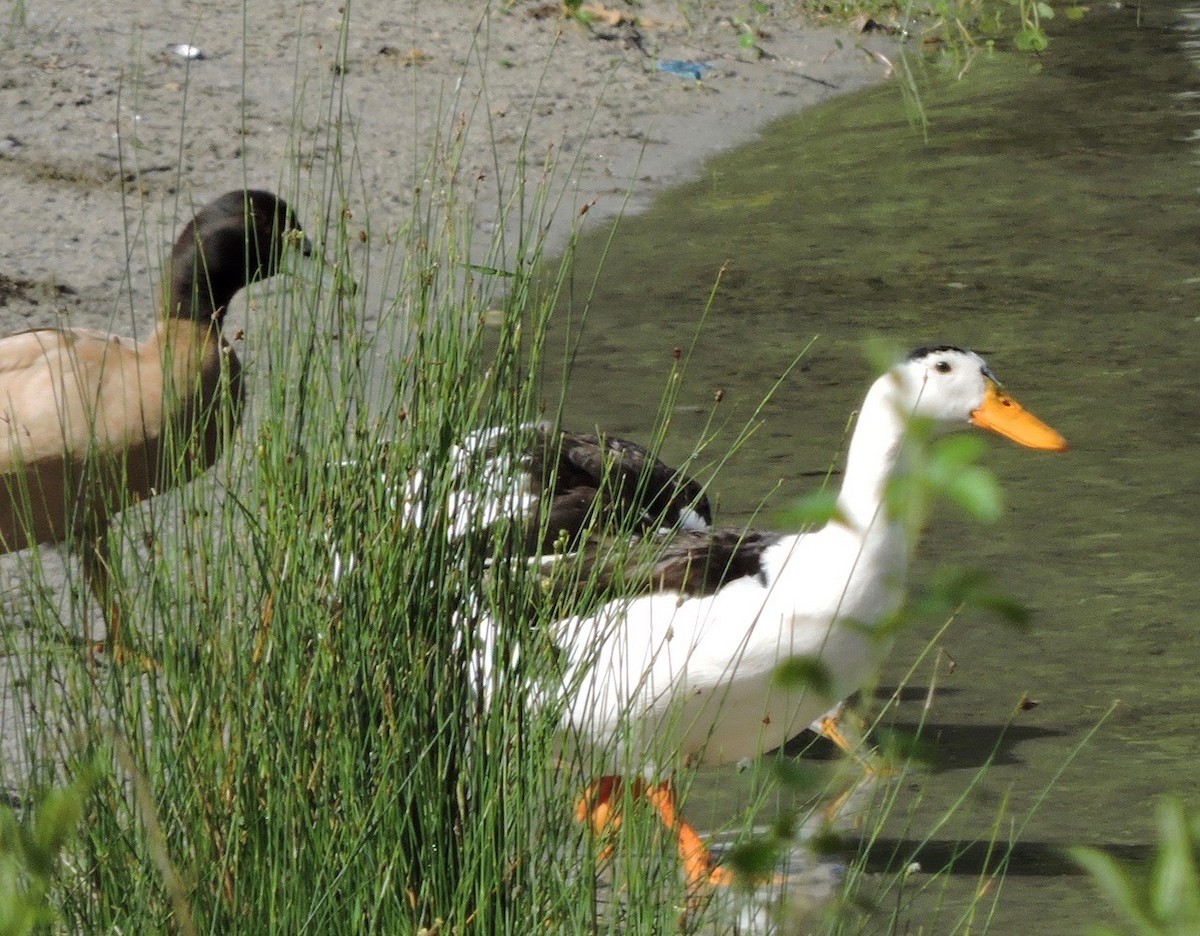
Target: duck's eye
column 942, row 367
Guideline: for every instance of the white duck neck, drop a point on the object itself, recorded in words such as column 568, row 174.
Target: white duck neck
column 876, row 448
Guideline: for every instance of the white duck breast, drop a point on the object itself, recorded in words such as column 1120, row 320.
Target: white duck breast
column 688, row 673
column 695, row 675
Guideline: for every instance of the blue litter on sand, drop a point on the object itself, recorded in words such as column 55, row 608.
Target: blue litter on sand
column 684, row 69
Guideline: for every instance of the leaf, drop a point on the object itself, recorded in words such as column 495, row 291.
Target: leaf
column 29, row 859
column 58, row 817
column 803, row 673
column 951, row 472
column 960, row 450
column 905, row 497
column 1076, row 12
column 1044, row 10
column 815, row 509
column 754, row 860
column 1174, row 897
column 1032, row 39
column 827, row 842
column 783, row 828
column 795, row 774
column 902, row 746
column 1007, row 608
column 1115, row 883
column 953, row 587
column 975, row 490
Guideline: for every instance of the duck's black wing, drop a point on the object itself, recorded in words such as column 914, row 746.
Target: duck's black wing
column 561, row 488
column 701, row 562
column 593, row 479
column 689, row 563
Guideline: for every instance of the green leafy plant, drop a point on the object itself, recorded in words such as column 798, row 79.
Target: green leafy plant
column 1156, row 898
column 30, row 858
column 1031, row 36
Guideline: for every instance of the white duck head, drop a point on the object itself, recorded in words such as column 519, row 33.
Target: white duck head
column 955, row 388
column 952, row 387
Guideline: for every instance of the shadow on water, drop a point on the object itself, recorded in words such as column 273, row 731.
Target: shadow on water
column 968, row 746
column 1050, row 221
column 974, row 859
column 949, row 746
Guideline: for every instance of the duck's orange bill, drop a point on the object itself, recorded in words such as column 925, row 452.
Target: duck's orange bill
column 1003, row 415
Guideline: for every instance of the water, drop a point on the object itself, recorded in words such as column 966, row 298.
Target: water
column 1051, row 222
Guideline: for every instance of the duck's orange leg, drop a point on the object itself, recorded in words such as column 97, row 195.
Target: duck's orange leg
column 830, row 726
column 598, row 807
column 694, row 855
column 871, row 765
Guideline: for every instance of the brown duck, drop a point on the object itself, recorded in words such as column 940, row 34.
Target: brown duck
column 91, row 422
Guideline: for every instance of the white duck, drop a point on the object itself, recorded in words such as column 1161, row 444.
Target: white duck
column 83, row 413
column 690, row 668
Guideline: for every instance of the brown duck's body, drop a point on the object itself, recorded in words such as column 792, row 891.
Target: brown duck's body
column 85, row 415
column 91, row 423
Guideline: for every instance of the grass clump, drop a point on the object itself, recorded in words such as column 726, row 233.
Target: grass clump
column 308, row 751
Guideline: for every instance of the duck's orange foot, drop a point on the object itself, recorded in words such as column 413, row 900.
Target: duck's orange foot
column 598, row 805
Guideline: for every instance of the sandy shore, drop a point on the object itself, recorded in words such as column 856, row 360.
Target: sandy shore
column 107, row 136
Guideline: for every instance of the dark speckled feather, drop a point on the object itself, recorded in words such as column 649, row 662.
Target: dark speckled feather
column 698, row 562
column 594, row 478
column 689, row 563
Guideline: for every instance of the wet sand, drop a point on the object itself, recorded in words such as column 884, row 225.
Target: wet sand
column 107, row 136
